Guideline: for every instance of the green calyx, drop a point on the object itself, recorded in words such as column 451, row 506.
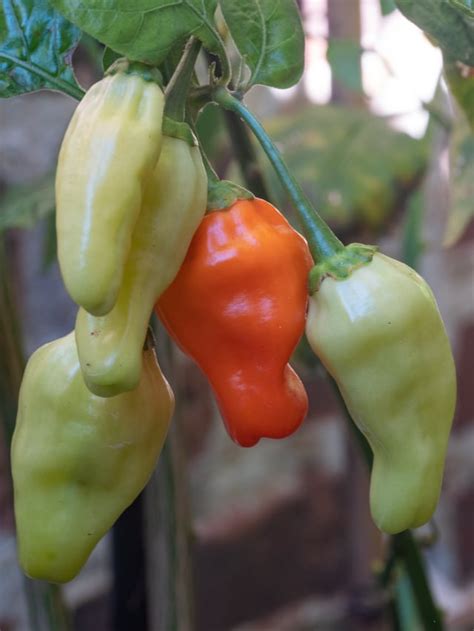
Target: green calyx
column 341, row 264
column 222, row 194
column 147, row 73
column 180, row 130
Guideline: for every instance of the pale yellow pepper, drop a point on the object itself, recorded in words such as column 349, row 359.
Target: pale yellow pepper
column 109, row 151
column 174, row 204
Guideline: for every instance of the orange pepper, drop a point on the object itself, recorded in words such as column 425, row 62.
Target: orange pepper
column 237, row 307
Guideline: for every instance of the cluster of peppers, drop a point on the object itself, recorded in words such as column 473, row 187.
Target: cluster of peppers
column 231, row 287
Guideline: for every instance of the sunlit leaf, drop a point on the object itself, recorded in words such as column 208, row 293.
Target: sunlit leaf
column 451, row 28
column 145, row 30
column 36, row 46
column 270, row 38
column 466, row 6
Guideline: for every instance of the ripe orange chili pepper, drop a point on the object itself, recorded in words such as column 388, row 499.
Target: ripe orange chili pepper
column 237, row 307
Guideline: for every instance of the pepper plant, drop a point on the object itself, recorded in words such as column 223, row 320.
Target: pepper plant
column 143, row 219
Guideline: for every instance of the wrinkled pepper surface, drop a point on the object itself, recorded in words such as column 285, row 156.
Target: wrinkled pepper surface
column 79, row 460
column 174, row 202
column 237, row 307
column 379, row 333
column 108, row 153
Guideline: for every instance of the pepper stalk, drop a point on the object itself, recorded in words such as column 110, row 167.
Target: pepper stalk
column 324, row 245
column 330, row 255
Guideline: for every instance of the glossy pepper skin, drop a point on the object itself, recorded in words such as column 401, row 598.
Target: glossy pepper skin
column 79, row 460
column 379, row 333
column 237, row 307
column 108, row 153
column 174, row 202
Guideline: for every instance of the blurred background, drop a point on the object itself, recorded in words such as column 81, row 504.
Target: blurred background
column 276, row 537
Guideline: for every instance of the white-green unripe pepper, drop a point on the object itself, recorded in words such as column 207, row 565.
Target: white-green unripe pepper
column 379, row 333
column 174, row 203
column 79, row 460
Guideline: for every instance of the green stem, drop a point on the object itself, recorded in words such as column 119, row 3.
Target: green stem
column 53, row 83
column 404, row 548
column 404, row 543
column 246, row 155
column 178, row 87
column 323, row 243
column 169, row 518
column 168, row 473
column 407, row 549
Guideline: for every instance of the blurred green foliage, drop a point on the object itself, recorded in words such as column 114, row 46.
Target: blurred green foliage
column 460, row 80
column 344, row 56
column 461, row 208
column 350, row 163
column 23, row 205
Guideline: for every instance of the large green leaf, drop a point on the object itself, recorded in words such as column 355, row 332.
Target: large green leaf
column 270, row 38
column 144, row 30
column 450, row 24
column 22, row 206
column 351, row 164
column 36, row 46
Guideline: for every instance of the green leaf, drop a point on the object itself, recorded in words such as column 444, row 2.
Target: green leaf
column 171, row 62
column 343, row 56
column 22, row 206
column 270, row 38
column 460, row 79
column 461, row 209
column 387, row 6
column 109, row 57
column 145, row 30
column 354, row 168
column 466, row 6
column 36, row 46
column 451, row 27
